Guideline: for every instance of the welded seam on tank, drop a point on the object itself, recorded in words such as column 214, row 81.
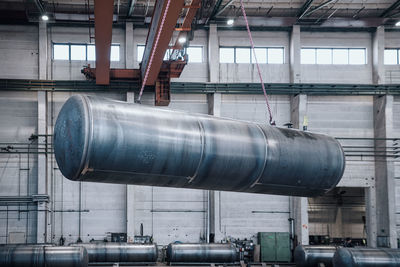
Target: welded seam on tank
column 265, row 157
column 202, row 142
column 89, row 135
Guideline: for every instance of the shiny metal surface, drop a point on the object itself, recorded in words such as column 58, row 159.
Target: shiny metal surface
column 120, row 252
column 313, row 256
column 42, row 256
column 366, row 257
column 201, row 253
column 101, row 140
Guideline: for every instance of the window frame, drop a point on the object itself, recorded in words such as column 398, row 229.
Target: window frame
column 251, row 54
column 86, row 51
column 332, row 58
column 397, row 56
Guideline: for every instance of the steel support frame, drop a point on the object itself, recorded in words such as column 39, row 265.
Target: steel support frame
column 103, row 20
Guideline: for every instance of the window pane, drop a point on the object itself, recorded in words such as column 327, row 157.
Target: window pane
column 390, row 57
column 261, row 54
column 324, row 56
column 357, row 56
column 140, row 52
column 227, row 55
column 242, row 55
column 275, row 55
column 91, row 52
column 61, row 52
column 115, row 53
column 78, row 52
column 340, row 56
column 195, row 54
column 308, row 56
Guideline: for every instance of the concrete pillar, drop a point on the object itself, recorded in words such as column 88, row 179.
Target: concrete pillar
column 130, row 194
column 43, row 233
column 370, row 215
column 214, row 220
column 378, row 53
column 299, row 205
column 213, row 54
column 129, row 45
column 294, row 55
column 384, row 173
column 42, row 50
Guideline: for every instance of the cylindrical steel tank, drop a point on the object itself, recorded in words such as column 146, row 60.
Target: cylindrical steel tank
column 313, row 256
column 201, row 253
column 366, row 257
column 101, row 140
column 43, row 256
column 120, row 252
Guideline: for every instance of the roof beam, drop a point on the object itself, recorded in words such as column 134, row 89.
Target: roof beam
column 304, row 8
column 131, row 7
column 388, row 10
column 318, row 7
column 215, row 10
column 224, row 7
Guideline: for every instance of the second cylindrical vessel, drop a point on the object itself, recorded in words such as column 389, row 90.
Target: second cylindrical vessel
column 201, row 253
column 101, row 140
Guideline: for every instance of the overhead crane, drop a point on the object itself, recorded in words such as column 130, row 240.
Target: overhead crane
column 163, row 25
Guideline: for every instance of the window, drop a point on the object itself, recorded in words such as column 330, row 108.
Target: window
column 78, row 52
column 140, row 52
column 195, row 54
column 61, row 52
column 357, row 57
column 308, row 56
column 84, row 52
column 338, row 56
column 227, row 55
column 265, row 55
column 242, row 55
column 392, row 56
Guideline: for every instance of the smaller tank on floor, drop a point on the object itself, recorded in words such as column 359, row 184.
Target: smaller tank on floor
column 366, row 257
column 313, row 256
column 120, row 252
column 201, row 253
column 42, row 256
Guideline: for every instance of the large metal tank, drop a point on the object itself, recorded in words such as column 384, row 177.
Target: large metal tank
column 366, row 257
column 313, row 256
column 120, row 252
column 102, row 140
column 201, row 253
column 43, row 256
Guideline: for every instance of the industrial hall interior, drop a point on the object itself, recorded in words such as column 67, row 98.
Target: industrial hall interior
column 200, row 133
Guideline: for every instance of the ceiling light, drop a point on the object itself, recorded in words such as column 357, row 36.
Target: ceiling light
column 230, row 22
column 45, row 17
column 182, row 40
column 397, row 24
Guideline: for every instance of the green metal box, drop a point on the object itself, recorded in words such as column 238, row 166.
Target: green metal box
column 275, row 246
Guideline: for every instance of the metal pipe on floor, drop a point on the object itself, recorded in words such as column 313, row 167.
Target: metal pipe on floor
column 314, row 256
column 42, row 256
column 102, row 140
column 366, row 257
column 120, row 252
column 201, row 253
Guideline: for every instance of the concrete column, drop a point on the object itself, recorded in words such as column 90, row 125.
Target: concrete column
column 130, row 194
column 384, row 174
column 378, row 53
column 370, row 215
column 43, row 233
column 299, row 205
column 129, row 45
column 42, row 50
column 213, row 54
column 294, row 55
column 213, row 200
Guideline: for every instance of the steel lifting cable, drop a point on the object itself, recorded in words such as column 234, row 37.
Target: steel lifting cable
column 271, row 121
column 153, row 52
